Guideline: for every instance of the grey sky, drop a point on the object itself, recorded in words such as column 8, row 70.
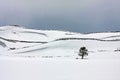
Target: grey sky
column 72, row 15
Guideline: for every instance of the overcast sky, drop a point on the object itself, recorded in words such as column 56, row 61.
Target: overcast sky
column 71, row 15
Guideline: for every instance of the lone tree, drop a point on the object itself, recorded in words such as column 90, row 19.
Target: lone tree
column 83, row 52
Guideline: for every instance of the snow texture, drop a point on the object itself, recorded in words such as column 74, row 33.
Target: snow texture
column 27, row 54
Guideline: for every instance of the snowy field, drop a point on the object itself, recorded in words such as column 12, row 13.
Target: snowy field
column 52, row 69
column 27, row 54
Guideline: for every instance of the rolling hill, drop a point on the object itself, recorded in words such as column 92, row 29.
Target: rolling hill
column 28, row 54
column 20, row 41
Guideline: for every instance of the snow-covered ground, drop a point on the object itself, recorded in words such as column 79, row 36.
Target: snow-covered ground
column 27, row 54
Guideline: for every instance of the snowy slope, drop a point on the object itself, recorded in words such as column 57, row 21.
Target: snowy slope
column 27, row 54
column 19, row 41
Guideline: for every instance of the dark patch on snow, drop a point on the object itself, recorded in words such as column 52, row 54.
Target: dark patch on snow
column 111, row 36
column 33, row 50
column 2, row 44
column 47, row 56
column 101, row 32
column 35, row 33
column 85, row 39
column 117, row 50
column 102, row 50
column 12, row 48
column 81, row 58
column 14, row 41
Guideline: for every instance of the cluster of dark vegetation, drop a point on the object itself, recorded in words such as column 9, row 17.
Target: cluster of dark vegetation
column 35, row 33
column 85, row 39
column 14, row 41
column 117, row 50
column 12, row 48
column 2, row 44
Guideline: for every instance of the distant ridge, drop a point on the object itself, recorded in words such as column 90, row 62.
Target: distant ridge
column 102, row 32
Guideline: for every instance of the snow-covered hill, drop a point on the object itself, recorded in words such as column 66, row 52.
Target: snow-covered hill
column 27, row 54
column 19, row 41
